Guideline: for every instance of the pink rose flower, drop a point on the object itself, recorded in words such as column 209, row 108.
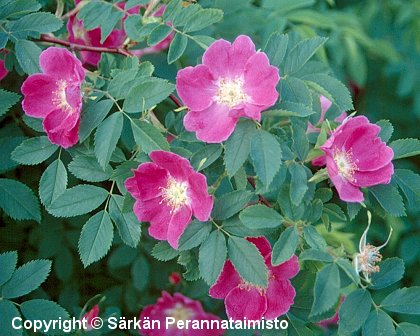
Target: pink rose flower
column 55, row 95
column 3, row 70
column 77, row 34
column 327, row 323
column 180, row 308
column 168, row 192
column 356, row 157
column 234, row 81
column 90, row 315
column 325, row 105
column 244, row 300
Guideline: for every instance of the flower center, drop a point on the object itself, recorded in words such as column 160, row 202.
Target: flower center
column 179, row 312
column 59, row 97
column 368, row 258
column 175, row 194
column 230, row 92
column 345, row 164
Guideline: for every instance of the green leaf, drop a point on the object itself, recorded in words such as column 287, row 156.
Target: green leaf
column 348, row 269
column 177, row 47
column 26, row 278
column 195, row 233
column 326, row 290
column 53, row 182
column 140, row 273
column 386, row 129
column 127, row 224
column 202, row 19
column 266, row 156
column 212, row 256
column 301, row 53
column 276, row 48
column 285, row 246
column 248, row 261
column 409, row 183
column 300, row 144
column 405, row 148
column 389, row 198
column 27, row 54
column 34, row 150
column 238, row 146
column 8, row 262
column 378, row 323
column 229, row 204
column 333, row 210
column 164, row 252
column 8, row 312
column 18, row 8
column 295, row 91
column 408, row 329
column 298, row 182
column 332, row 89
column 260, row 217
column 18, row 200
column 148, row 137
column 391, row 271
column 403, row 300
column 41, row 22
column 7, row 100
column 158, row 34
column 317, row 255
column 106, row 138
column 78, row 200
column 291, row 109
column 92, row 116
column 313, row 238
column 144, row 96
column 45, row 311
column 87, row 168
column 172, row 9
column 357, row 301
column 96, row 238
column 206, row 156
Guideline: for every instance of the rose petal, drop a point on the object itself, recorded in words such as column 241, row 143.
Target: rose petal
column 227, row 280
column 249, row 303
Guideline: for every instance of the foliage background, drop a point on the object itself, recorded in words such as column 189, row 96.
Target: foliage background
column 373, row 46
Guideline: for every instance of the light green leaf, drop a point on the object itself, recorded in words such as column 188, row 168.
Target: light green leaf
column 18, row 200
column 18, row 8
column 348, row 269
column 177, row 47
column 26, row 278
column 266, row 156
column 260, row 217
column 317, row 255
column 53, row 182
column 106, row 138
column 298, row 183
column 313, row 238
column 96, row 238
column 212, row 256
column 147, row 94
column 7, row 100
column 276, row 48
column 127, row 224
column 391, row 271
column 8, row 262
column 202, row 19
column 195, row 233
column 285, row 246
column 92, row 116
column 405, row 148
column 164, row 252
column 78, row 200
column 43, row 310
column 206, row 156
column 34, row 150
column 409, row 183
column 8, row 312
column 408, row 329
column 326, row 290
column 41, row 22
column 290, row 109
column 378, row 323
column 248, row 261
column 386, row 129
column 148, row 137
column 301, row 53
column 229, row 204
column 27, row 54
column 389, row 198
column 403, row 300
column 87, row 168
column 357, row 301
column 158, row 34
column 238, row 146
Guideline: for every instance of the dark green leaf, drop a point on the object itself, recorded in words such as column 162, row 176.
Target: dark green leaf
column 106, row 138
column 195, row 233
column 8, row 262
column 27, row 54
column 378, row 323
column 53, row 182
column 389, row 198
column 87, row 168
column 298, row 184
column 276, row 48
column 158, row 34
column 403, row 300
column 177, row 47
column 354, row 311
column 391, row 271
column 301, row 53
column 163, row 251
column 148, row 137
column 326, row 290
column 7, row 100
column 34, row 150
column 405, row 148
column 43, row 310
column 212, row 256
column 229, row 204
column 285, row 246
column 93, row 116
column 8, row 312
column 260, row 217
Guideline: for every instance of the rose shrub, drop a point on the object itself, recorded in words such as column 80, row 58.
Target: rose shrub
column 209, row 161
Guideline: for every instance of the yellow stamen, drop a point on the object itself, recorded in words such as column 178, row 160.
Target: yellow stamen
column 230, row 92
column 175, row 194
